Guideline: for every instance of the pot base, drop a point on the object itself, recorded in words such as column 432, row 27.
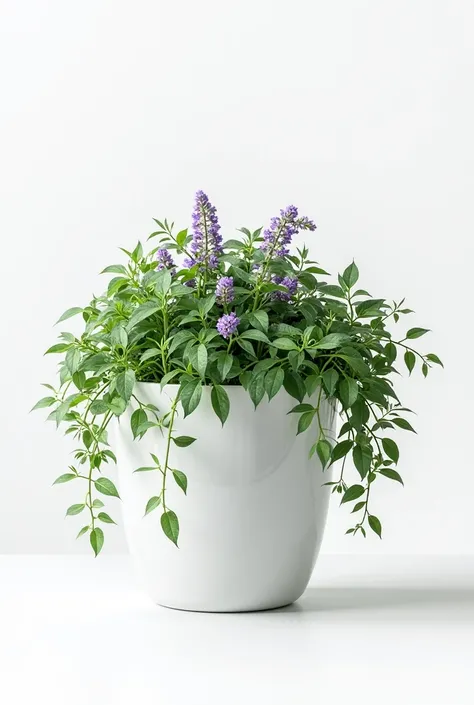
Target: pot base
column 227, row 611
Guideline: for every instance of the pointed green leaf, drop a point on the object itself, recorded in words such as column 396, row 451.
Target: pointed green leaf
column 105, row 518
column 106, row 486
column 97, row 540
column 75, row 509
column 181, row 480
column 152, row 504
column 69, row 314
column 170, row 526
column 352, row 493
column 375, row 525
column 220, row 402
column 124, row 384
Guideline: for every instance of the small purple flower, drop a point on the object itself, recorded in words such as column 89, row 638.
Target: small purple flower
column 291, row 284
column 227, row 324
column 282, row 229
column 225, row 290
column 206, row 245
column 165, row 261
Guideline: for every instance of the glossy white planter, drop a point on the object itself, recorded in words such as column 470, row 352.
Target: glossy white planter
column 252, row 522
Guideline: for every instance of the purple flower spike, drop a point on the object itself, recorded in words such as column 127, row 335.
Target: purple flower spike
column 225, row 290
column 165, row 261
column 278, row 236
column 206, row 245
column 291, row 284
column 227, row 324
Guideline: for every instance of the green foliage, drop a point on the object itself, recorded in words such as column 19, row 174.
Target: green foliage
column 329, row 341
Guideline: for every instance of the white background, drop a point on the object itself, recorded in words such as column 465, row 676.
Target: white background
column 361, row 113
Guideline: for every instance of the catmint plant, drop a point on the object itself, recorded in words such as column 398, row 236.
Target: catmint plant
column 198, row 311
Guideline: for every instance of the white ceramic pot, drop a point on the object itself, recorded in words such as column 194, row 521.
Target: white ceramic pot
column 253, row 519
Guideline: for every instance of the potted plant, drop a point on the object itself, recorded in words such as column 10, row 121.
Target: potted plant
column 229, row 372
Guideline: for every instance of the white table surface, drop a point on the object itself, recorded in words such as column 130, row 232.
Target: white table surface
column 368, row 630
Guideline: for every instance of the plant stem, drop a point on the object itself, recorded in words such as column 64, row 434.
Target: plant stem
column 168, row 445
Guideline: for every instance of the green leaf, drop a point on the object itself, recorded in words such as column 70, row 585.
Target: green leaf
column 369, row 308
column 58, row 348
column 69, row 314
column 352, row 493
column 181, row 480
column 247, row 346
column 273, row 381
column 348, row 391
column 416, row 333
column 391, row 474
column 97, row 504
column 115, row 269
column 73, row 360
column 332, row 290
column 141, row 313
column 170, row 526
column 341, row 449
column 67, row 477
column 410, row 360
column 181, row 237
column 351, row 275
column 106, row 486
column 138, row 418
column 284, row 344
column 75, row 509
column 330, row 379
column 294, row 385
column 145, row 469
column 304, row 422
column 220, row 402
column 301, row 409
column 375, row 525
column 119, row 336
column 403, row 423
column 201, row 360
column 254, row 334
column 362, row 457
column 259, row 319
column 434, row 358
column 183, row 441
column 166, row 379
column 152, row 504
column 99, row 407
column 95, row 362
column 313, row 383
column 323, row 449
column 191, row 396
column 124, row 384
column 44, row 403
column 179, row 339
column 333, row 340
column 256, row 388
column 163, row 281
column 84, row 530
column 358, row 506
column 97, row 540
column 224, row 364
column 105, row 518
column 391, row 449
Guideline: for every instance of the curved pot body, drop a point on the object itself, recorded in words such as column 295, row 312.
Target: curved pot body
column 253, row 519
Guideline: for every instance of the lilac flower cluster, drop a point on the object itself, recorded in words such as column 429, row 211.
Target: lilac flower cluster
column 291, row 284
column 282, row 229
column 225, row 290
column 165, row 261
column 227, row 324
column 206, row 245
